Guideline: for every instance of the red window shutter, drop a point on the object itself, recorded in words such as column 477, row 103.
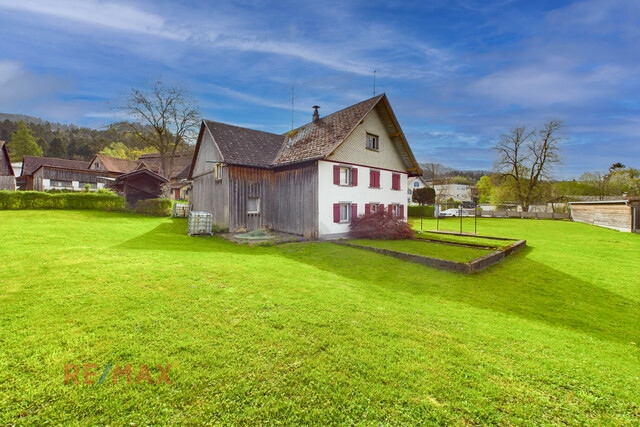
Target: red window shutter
column 336, row 174
column 395, row 184
column 377, row 179
column 380, row 207
column 336, row 212
column 401, row 211
column 390, row 209
column 367, row 208
column 354, row 176
column 372, row 178
column 354, row 210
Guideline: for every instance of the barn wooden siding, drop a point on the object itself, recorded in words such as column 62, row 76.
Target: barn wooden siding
column 7, row 182
column 211, row 195
column 288, row 198
column 65, row 175
column 617, row 216
column 141, row 187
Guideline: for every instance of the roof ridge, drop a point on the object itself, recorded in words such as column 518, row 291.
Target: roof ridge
column 242, row 127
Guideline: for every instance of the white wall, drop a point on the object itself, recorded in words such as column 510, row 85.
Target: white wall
column 329, row 193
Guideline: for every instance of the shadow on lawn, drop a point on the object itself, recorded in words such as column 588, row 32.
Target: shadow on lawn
column 518, row 286
column 172, row 236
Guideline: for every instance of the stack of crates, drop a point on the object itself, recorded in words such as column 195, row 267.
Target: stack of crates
column 200, row 223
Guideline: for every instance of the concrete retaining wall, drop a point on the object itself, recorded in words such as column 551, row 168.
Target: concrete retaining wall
column 471, row 267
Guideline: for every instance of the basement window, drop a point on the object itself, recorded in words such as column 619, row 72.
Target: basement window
column 373, row 142
column 253, row 205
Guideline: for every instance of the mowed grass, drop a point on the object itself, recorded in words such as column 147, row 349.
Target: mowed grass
column 313, row 333
column 463, row 239
column 426, row 248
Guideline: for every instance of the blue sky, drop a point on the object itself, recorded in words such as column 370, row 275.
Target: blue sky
column 458, row 73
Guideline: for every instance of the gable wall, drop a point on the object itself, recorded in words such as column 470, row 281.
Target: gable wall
column 208, row 194
column 353, row 149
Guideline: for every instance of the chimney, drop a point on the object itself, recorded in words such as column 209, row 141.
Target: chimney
column 316, row 116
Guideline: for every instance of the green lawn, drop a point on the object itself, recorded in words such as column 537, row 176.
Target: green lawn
column 464, row 239
column 425, row 248
column 313, row 333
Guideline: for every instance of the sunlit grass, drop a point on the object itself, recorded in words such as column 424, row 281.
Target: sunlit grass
column 314, row 333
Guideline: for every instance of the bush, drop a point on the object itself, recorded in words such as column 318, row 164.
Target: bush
column 41, row 200
column 414, row 211
column 380, row 225
column 154, row 207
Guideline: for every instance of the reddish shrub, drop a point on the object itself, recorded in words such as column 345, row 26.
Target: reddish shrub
column 380, row 225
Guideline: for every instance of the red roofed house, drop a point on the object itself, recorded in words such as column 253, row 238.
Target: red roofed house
column 310, row 181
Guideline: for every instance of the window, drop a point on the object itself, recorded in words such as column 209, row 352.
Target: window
column 374, row 179
column 343, row 212
column 84, row 184
column 253, row 205
column 374, row 207
column 217, row 172
column 416, row 184
column 373, row 142
column 60, row 183
column 345, row 175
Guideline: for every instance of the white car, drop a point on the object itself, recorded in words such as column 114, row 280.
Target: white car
column 450, row 212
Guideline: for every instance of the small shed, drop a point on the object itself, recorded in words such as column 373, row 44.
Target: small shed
column 140, row 184
column 7, row 177
column 621, row 215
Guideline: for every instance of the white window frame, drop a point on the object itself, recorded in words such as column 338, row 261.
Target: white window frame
column 257, row 211
column 374, row 206
column 373, row 142
column 347, row 218
column 348, row 174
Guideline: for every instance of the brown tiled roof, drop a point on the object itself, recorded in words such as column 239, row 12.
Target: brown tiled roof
column 153, row 162
column 245, row 146
column 4, row 154
column 113, row 164
column 31, row 163
column 132, row 174
column 317, row 139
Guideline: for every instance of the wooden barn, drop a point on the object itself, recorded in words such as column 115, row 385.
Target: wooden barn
column 140, row 184
column 310, row 181
column 621, row 215
column 47, row 173
column 7, row 177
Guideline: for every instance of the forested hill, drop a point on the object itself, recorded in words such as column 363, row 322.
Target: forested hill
column 65, row 141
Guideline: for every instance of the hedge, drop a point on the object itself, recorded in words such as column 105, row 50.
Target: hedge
column 155, row 207
column 40, row 200
column 414, row 211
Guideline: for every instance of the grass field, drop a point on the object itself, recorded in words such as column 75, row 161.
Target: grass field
column 425, row 248
column 313, row 333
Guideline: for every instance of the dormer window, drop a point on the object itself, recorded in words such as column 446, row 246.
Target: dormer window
column 373, row 142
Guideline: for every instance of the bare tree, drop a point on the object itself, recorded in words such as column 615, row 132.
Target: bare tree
column 432, row 172
column 525, row 158
column 163, row 117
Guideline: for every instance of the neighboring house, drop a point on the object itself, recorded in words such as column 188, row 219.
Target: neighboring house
column 310, row 181
column 178, row 181
column 46, row 173
column 621, row 215
column 140, row 184
column 17, row 168
column 447, row 190
column 414, row 183
column 112, row 166
column 7, row 176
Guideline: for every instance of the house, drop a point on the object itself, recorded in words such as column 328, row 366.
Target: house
column 47, row 173
column 178, row 181
column 112, row 166
column 7, row 176
column 310, row 181
column 140, row 184
column 414, row 183
column 446, row 190
column 621, row 215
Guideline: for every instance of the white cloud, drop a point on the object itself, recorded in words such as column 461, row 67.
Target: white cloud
column 116, row 16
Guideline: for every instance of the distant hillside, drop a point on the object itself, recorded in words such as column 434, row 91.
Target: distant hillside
column 34, row 121
column 442, row 171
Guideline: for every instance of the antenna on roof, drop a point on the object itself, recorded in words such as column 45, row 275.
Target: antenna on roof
column 293, row 88
column 374, row 82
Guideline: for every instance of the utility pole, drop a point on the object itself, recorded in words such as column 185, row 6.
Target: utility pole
column 374, row 82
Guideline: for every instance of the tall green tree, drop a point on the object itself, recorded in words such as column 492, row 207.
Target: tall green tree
column 484, row 187
column 23, row 143
column 57, row 148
